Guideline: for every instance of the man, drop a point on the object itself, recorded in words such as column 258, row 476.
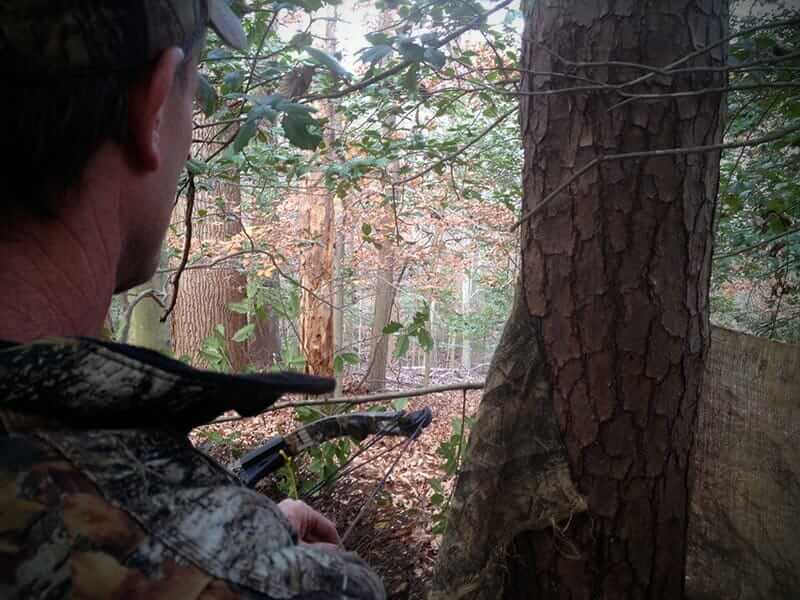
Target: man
column 101, row 495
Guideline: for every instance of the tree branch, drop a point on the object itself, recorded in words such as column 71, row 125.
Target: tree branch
column 364, row 399
column 126, row 327
column 187, row 245
column 460, row 151
column 407, row 63
column 650, row 154
column 758, row 244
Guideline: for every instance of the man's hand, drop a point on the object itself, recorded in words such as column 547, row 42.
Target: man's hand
column 311, row 527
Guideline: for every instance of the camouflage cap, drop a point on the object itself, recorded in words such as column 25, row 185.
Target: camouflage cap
column 68, row 36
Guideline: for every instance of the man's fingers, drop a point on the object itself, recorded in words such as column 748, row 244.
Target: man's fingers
column 324, row 546
column 310, row 525
column 321, row 529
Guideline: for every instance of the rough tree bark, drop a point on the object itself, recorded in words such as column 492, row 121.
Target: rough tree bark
column 206, row 293
column 384, row 300
column 264, row 348
column 575, row 483
column 316, row 270
column 316, row 275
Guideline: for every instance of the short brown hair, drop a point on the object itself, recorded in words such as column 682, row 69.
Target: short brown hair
column 55, row 126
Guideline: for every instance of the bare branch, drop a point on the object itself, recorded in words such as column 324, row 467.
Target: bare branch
column 666, row 70
column 407, row 63
column 650, row 154
column 460, row 151
column 364, row 399
column 758, row 245
column 157, row 297
column 187, row 245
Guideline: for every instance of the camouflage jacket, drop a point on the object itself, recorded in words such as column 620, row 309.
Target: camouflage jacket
column 103, row 496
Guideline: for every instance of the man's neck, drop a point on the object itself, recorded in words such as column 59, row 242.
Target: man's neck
column 57, row 275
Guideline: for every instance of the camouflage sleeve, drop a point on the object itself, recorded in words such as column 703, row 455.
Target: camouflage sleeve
column 71, row 526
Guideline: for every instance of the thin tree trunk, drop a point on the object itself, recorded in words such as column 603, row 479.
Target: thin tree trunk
column 451, row 349
column 601, row 364
column 316, row 316
column 430, row 354
column 340, row 217
column 317, row 267
column 338, row 289
column 264, row 348
column 384, row 299
column 466, row 306
column 145, row 327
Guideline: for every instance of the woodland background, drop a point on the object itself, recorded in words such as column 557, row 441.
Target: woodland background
column 354, row 186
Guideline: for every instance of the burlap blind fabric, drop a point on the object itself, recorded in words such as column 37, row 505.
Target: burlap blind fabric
column 744, row 529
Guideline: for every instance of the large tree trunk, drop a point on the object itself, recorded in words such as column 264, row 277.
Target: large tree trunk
column 600, row 367
column 206, row 293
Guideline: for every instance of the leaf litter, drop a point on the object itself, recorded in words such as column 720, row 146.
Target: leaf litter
column 395, row 534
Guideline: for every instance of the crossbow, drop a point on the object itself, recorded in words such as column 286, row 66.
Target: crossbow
column 264, row 460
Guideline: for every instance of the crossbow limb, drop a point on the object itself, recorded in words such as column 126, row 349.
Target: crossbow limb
column 258, row 463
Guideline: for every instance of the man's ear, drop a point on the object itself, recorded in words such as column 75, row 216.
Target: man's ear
column 148, row 99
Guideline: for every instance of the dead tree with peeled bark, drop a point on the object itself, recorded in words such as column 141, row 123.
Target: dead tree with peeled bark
column 575, row 483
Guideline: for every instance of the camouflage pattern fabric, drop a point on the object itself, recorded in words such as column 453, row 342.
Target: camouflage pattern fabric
column 137, row 512
column 68, row 36
column 104, row 385
column 358, row 426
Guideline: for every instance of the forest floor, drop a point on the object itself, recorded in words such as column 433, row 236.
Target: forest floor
column 394, row 535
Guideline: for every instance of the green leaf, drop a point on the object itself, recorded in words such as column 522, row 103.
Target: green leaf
column 411, row 51
column 245, row 333
column 400, row 403
column 220, row 54
column 220, row 329
column 425, row 339
column 378, row 38
column 301, row 40
column 262, row 111
column 375, row 54
column 392, row 327
column 329, row 62
column 338, row 364
column 206, row 96
column 366, row 229
column 245, row 134
column 435, row 57
column 241, row 308
column 429, row 39
column 402, row 345
column 410, row 79
column 195, row 167
column 350, row 358
column 233, row 80
column 296, row 127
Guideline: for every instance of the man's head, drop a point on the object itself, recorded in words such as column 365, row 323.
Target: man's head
column 88, row 79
